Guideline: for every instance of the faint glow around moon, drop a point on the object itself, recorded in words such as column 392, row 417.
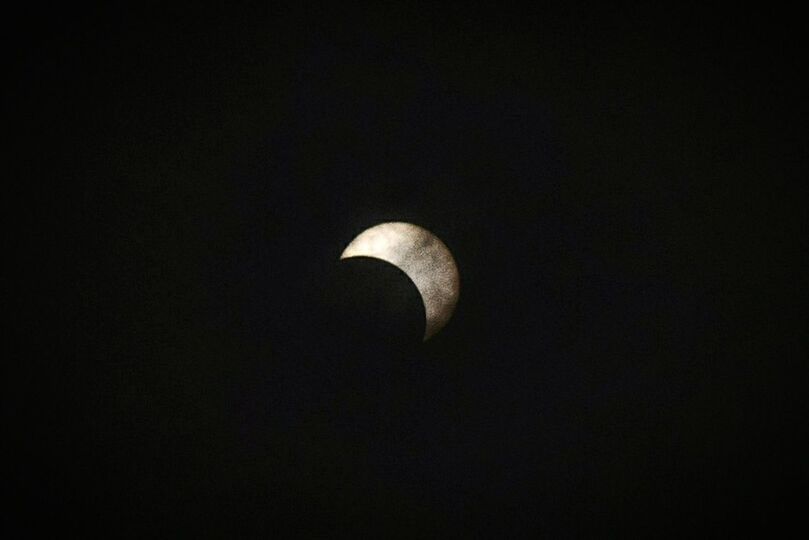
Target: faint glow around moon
column 423, row 257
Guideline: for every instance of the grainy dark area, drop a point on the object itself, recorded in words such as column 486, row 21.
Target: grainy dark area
column 618, row 188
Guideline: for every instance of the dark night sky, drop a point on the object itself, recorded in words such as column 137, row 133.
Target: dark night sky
column 625, row 359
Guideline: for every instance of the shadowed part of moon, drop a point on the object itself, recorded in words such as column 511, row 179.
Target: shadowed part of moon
column 376, row 302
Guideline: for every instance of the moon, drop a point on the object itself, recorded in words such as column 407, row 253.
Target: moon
column 423, row 257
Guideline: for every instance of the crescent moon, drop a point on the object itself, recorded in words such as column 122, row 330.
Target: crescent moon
column 423, row 257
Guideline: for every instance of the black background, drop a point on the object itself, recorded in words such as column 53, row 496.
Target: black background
column 625, row 359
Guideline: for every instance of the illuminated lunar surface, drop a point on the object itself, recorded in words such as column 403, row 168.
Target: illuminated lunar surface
column 423, row 257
